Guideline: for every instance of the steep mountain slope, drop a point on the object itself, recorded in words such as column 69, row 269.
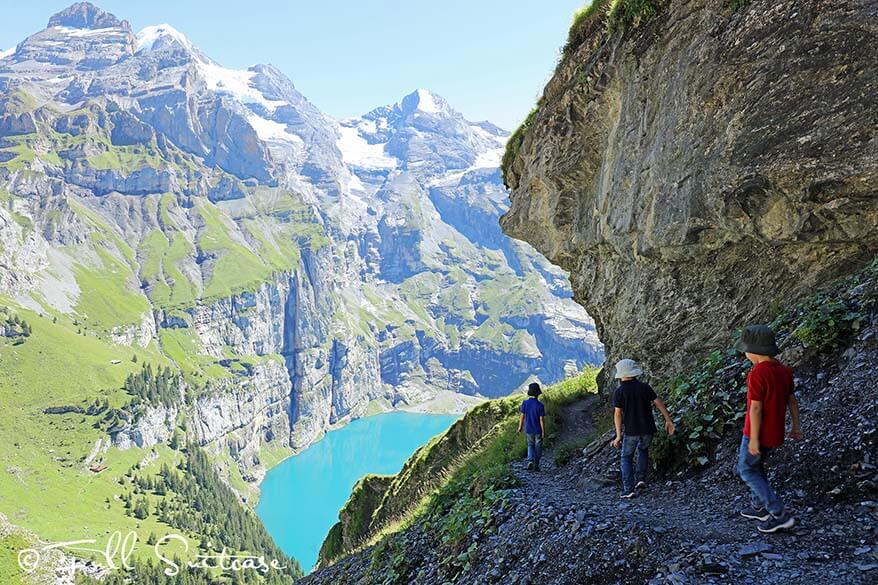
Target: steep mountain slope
column 698, row 174
column 292, row 270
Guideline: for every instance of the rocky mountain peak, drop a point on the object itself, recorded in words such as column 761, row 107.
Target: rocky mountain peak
column 85, row 15
column 425, row 101
column 426, row 135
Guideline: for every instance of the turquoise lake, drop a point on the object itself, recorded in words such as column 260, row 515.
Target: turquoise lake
column 301, row 497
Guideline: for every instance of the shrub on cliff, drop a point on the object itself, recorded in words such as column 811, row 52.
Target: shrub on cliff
column 709, row 400
column 610, row 15
column 623, row 13
column 586, row 21
column 515, row 141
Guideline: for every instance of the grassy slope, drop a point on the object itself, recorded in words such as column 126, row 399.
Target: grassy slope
column 43, row 477
column 235, row 265
column 45, row 485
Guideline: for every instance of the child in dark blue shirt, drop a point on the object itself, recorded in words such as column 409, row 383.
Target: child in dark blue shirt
column 532, row 421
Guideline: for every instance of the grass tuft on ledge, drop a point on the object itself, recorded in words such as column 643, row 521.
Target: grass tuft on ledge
column 609, row 15
column 515, row 141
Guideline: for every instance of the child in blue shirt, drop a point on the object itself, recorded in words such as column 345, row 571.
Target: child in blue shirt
column 532, row 421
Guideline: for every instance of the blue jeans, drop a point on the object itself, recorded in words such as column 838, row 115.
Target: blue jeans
column 630, row 443
column 752, row 470
column 534, row 448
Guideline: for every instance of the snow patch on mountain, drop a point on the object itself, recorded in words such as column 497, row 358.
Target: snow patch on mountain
column 147, row 38
column 358, row 152
column 426, row 103
column 236, row 83
column 85, row 32
column 489, row 158
column 7, row 53
column 272, row 131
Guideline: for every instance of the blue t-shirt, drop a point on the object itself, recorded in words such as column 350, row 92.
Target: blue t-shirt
column 532, row 409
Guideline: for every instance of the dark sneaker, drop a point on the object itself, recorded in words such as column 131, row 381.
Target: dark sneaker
column 530, row 465
column 536, row 467
column 640, row 485
column 629, row 495
column 775, row 523
column 753, row 513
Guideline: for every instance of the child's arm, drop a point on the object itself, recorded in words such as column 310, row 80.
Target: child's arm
column 796, row 431
column 755, row 426
column 542, row 426
column 669, row 424
column 520, row 422
column 617, row 418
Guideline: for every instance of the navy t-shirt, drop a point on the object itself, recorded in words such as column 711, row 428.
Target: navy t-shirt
column 532, row 409
column 635, row 399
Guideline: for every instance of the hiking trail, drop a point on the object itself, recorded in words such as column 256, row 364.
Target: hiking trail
column 568, row 525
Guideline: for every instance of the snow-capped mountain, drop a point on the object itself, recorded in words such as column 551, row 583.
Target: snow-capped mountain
column 350, row 264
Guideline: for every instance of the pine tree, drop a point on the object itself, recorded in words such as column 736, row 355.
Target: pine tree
column 141, row 509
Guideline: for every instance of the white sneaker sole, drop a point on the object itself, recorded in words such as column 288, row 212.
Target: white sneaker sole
column 754, row 517
column 788, row 524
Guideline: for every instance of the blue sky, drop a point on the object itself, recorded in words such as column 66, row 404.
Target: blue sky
column 489, row 58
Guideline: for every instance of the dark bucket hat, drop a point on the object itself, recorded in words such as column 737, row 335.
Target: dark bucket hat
column 534, row 389
column 757, row 339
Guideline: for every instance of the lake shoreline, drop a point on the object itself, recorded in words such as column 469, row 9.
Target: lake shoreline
column 300, row 498
column 460, row 404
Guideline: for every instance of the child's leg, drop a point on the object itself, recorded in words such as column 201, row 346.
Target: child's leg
column 530, row 446
column 642, row 457
column 774, row 503
column 629, row 443
column 538, row 450
column 752, row 471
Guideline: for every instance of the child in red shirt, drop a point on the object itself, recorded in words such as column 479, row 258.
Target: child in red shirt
column 769, row 394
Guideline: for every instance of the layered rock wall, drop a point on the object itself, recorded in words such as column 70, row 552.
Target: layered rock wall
column 704, row 168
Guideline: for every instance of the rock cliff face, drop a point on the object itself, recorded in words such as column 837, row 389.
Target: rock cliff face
column 699, row 170
column 298, row 270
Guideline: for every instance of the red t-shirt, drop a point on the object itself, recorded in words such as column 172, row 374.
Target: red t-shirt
column 770, row 383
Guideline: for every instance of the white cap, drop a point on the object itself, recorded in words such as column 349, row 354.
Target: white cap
column 627, row 369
